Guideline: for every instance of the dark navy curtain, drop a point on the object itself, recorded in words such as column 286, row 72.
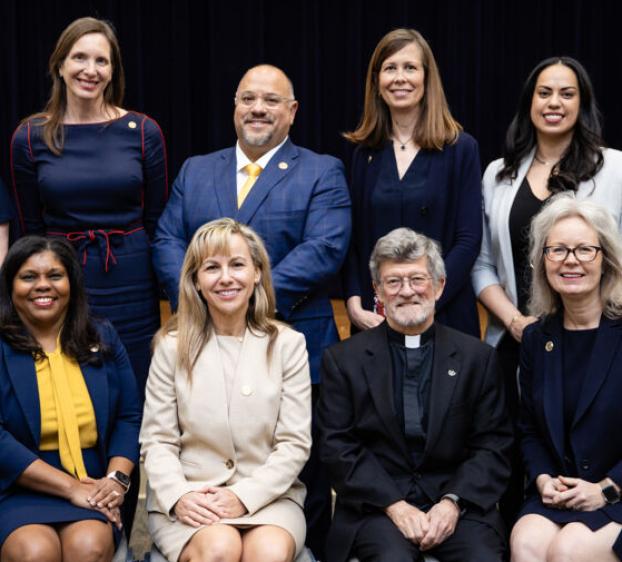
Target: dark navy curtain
column 183, row 59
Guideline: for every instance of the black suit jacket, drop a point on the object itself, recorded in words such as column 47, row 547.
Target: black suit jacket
column 468, row 438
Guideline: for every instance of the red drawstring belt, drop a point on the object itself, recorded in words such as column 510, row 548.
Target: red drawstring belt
column 88, row 237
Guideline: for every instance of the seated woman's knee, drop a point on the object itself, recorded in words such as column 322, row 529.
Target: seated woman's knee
column 568, row 547
column 268, row 552
column 219, row 545
column 85, row 546
column 31, row 548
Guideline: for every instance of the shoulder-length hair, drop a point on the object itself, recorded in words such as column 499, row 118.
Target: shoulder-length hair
column 78, row 338
column 53, row 113
column 192, row 322
column 435, row 126
column 544, row 300
column 584, row 157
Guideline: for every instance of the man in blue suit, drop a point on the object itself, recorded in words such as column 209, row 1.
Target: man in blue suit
column 296, row 200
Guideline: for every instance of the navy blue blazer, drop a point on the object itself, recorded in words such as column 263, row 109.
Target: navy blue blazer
column 6, row 205
column 301, row 209
column 595, row 434
column 444, row 202
column 112, row 387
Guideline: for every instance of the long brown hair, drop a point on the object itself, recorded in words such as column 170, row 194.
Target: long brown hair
column 435, row 126
column 192, row 321
column 54, row 111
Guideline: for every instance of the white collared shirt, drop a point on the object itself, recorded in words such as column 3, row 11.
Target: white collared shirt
column 242, row 160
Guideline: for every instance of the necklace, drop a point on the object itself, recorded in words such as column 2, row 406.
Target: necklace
column 400, row 141
column 544, row 162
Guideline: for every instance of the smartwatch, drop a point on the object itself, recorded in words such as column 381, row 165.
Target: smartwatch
column 611, row 494
column 120, row 478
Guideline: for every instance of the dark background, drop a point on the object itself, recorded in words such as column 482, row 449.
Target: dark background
column 184, row 58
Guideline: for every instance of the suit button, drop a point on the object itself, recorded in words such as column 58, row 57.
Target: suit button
column 423, row 211
column 229, row 464
column 585, row 466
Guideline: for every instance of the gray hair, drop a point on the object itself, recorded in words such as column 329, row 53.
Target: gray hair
column 544, row 300
column 403, row 245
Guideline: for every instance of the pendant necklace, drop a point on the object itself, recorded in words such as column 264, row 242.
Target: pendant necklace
column 401, row 142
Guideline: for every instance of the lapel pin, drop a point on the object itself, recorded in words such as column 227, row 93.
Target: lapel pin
column 132, row 124
column 246, row 390
column 451, row 373
column 283, row 165
column 369, row 158
column 94, row 349
column 549, row 346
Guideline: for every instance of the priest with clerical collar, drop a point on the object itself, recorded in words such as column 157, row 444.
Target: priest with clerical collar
column 413, row 422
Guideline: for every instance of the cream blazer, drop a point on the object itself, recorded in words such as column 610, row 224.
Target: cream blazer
column 256, row 445
column 495, row 265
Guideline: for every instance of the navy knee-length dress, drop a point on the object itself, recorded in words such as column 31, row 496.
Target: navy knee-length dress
column 104, row 193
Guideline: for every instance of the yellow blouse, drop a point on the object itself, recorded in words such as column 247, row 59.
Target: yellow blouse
column 67, row 414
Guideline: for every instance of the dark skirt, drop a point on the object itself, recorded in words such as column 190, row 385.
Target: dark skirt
column 594, row 520
column 121, row 287
column 27, row 507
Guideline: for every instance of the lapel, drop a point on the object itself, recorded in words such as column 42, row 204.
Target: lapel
column 225, row 186
column 607, row 344
column 21, row 370
column 278, row 168
column 552, row 392
column 96, row 379
column 377, row 368
column 447, row 360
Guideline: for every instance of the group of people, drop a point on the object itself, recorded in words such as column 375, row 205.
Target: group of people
column 432, row 439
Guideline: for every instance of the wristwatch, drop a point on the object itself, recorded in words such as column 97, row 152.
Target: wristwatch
column 456, row 500
column 611, row 494
column 120, row 478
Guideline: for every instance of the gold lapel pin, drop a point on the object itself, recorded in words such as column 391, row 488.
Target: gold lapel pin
column 369, row 158
column 549, row 346
column 451, row 373
column 132, row 124
column 283, row 165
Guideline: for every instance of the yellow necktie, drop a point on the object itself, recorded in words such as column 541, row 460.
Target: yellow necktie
column 253, row 170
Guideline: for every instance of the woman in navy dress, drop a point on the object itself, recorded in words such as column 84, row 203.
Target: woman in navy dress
column 69, row 412
column 90, row 171
column 6, row 214
column 571, row 383
column 413, row 167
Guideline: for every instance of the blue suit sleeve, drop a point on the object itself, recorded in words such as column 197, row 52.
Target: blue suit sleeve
column 536, row 454
column 155, row 173
column 25, row 182
column 460, row 258
column 125, row 415
column 324, row 243
column 15, row 457
column 171, row 240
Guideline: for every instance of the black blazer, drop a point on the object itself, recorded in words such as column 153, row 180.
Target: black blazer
column 595, row 434
column 468, row 439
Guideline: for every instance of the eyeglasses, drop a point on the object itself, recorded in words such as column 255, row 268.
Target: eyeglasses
column 581, row 253
column 249, row 99
column 395, row 284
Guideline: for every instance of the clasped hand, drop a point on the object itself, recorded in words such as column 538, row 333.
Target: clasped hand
column 425, row 529
column 208, row 505
column 565, row 492
column 102, row 494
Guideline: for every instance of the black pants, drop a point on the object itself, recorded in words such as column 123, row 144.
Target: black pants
column 379, row 540
column 318, row 502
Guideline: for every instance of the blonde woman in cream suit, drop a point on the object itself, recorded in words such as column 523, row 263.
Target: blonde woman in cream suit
column 226, row 427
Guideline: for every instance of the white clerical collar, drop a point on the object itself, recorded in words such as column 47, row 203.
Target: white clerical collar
column 412, row 342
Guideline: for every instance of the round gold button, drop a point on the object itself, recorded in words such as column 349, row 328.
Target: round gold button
column 246, row 390
column 132, row 124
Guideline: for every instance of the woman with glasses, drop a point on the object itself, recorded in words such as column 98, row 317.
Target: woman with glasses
column 571, row 384
column 553, row 144
column 413, row 167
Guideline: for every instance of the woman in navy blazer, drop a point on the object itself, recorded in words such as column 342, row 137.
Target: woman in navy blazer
column 413, row 166
column 571, row 384
column 46, row 513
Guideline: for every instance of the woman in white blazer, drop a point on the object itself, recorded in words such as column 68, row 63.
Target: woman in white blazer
column 553, row 144
column 226, row 427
